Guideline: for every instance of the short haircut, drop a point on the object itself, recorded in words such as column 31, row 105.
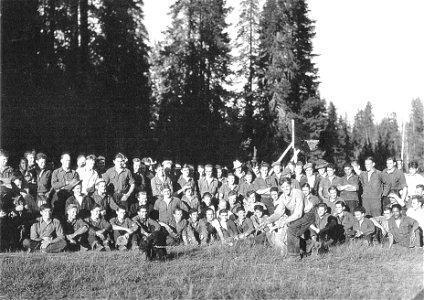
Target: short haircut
column 223, row 211
column 121, row 207
column 413, row 164
column 231, row 175
column 397, row 206
column 347, row 165
column 420, row 186
column 274, row 189
column 250, row 193
column 29, row 152
column 4, row 153
column 177, row 209
column 342, row 203
column 40, row 155
column 158, row 166
column 210, row 209
column 370, row 158
column 258, row 207
column 45, row 206
column 306, row 185
column 322, row 205
column 387, row 208
column 71, row 206
column 284, row 180
column 90, row 157
column 142, row 193
column 207, row 194
column 265, row 165
column 136, row 159
column 418, row 198
column 119, row 155
column 192, row 211
column 239, row 209
column 218, row 167
column 232, row 193
column 331, row 166
column 332, row 188
column 209, row 166
column 142, row 207
column 391, row 158
column 81, row 155
column 65, row 153
column 360, row 209
column 248, row 172
column 299, row 163
column 165, row 187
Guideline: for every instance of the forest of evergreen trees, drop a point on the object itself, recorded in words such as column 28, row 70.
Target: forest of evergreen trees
column 79, row 75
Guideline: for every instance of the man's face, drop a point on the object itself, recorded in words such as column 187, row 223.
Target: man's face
column 231, row 180
column 3, row 161
column 339, row 208
column 23, row 165
column 77, row 190
column 412, row 171
column 194, row 216
column 333, row 194
column 219, row 173
column 207, row 200
column 95, row 213
column 166, row 193
column 309, row 172
column 241, row 215
column 359, row 215
column 160, row 171
column 256, row 170
column 142, row 213
column 178, row 215
column 277, row 169
column 224, row 216
column 415, row 203
column 396, row 213
column 81, row 162
column 120, row 214
column 30, row 157
column 41, row 163
column 298, row 170
column 251, row 198
column 200, row 170
column 248, row 178
column 72, row 214
column 89, row 163
column 274, row 195
column 209, row 215
column 185, row 172
column 118, row 162
column 322, row 171
column 101, row 163
column 330, row 171
column 306, row 191
column 369, row 165
column 101, row 187
column 66, row 161
column 136, row 166
column 208, row 172
column 399, row 164
column 232, row 199
column 286, row 188
column 390, row 164
column 387, row 214
column 419, row 191
column 189, row 192
column 321, row 211
column 348, row 171
column 222, row 205
column 46, row 214
column 259, row 213
column 264, row 171
column 18, row 182
column 142, row 199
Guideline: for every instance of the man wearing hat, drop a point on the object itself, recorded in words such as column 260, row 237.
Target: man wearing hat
column 238, row 171
column 120, row 180
column 61, row 179
column 82, row 202
column 321, row 166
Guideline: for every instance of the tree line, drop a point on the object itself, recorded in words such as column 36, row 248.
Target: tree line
column 79, row 75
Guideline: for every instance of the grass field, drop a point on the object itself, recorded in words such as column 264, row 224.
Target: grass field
column 215, row 272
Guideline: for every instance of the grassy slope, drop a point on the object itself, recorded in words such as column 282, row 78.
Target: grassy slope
column 350, row 271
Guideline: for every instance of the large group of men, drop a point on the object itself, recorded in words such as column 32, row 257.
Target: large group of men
column 145, row 206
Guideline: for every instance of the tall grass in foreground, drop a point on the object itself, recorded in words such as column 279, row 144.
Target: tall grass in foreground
column 215, row 272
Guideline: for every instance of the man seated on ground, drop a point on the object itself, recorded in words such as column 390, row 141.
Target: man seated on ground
column 209, row 219
column 176, row 229
column 416, row 211
column 250, row 202
column 20, row 223
column 332, row 199
column 228, row 187
column 99, row 230
column 344, row 218
column 363, row 228
column 324, row 231
column 75, row 230
column 46, row 234
column 402, row 229
column 311, row 201
column 258, row 220
column 141, row 201
column 197, row 230
column 234, row 205
column 150, row 237
column 222, row 204
column 81, row 201
column 166, row 205
column 382, row 224
column 225, row 227
column 190, row 200
column 244, row 225
column 123, row 230
column 206, row 204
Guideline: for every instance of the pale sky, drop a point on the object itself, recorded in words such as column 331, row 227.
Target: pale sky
column 369, row 50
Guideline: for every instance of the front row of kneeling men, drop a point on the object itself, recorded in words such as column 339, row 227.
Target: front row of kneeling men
column 298, row 226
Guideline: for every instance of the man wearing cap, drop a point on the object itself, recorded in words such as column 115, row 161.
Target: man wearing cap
column 393, row 180
column 120, row 180
column 6, row 171
column 208, row 183
column 82, row 202
column 325, row 183
column 43, row 177
column 349, row 187
column 61, row 179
